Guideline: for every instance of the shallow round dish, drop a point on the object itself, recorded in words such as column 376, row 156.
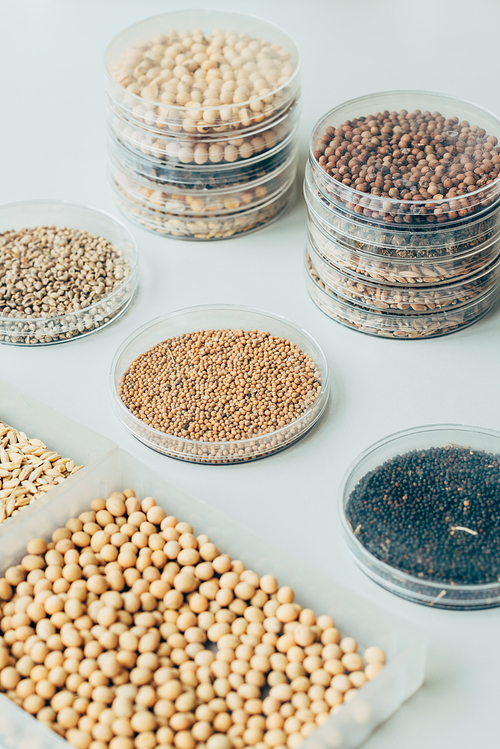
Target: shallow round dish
column 431, row 209
column 205, row 202
column 188, row 176
column 403, row 299
column 463, row 542
column 390, row 325
column 177, row 149
column 418, row 241
column 215, row 318
column 203, row 227
column 402, row 271
column 36, row 331
column 145, row 107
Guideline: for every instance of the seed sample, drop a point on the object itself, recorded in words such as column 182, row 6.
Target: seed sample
column 386, row 296
column 47, row 271
column 398, row 270
column 28, row 470
column 203, row 226
column 176, row 150
column 221, row 385
column 432, row 514
column 390, row 324
column 128, row 631
column 204, row 82
column 417, row 157
column 57, row 283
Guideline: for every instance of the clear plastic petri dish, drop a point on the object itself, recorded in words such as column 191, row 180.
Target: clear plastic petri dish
column 439, row 183
column 417, row 241
column 49, row 327
column 202, row 227
column 183, row 149
column 401, row 271
column 403, row 299
column 139, row 69
column 185, row 176
column 205, row 202
column 389, row 325
column 430, row 537
column 218, row 317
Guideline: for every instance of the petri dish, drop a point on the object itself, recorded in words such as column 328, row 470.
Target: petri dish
column 379, row 322
column 448, row 478
column 205, row 202
column 406, row 271
column 147, row 103
column 403, row 299
column 219, row 317
column 57, row 328
column 419, row 241
column 206, row 227
column 460, row 190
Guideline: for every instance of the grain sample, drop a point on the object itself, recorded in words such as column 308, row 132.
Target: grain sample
column 220, row 385
column 128, row 631
column 28, row 470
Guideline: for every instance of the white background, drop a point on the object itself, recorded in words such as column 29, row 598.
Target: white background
column 53, row 145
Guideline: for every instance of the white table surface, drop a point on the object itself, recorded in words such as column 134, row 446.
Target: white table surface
column 53, row 145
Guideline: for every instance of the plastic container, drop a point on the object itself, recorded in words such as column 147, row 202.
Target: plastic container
column 206, row 201
column 390, row 325
column 202, row 227
column 413, row 242
column 215, row 318
column 69, row 439
column 422, row 272
column 355, row 721
column 401, row 299
column 418, row 589
column 35, row 331
column 244, row 117
column 399, row 211
column 185, row 177
column 181, row 149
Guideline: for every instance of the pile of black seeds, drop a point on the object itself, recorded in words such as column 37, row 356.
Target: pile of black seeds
column 433, row 514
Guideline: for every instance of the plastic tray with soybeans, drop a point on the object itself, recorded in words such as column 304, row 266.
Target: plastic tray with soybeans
column 134, row 617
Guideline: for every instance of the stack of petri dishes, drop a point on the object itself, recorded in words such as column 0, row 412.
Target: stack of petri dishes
column 403, row 198
column 203, row 108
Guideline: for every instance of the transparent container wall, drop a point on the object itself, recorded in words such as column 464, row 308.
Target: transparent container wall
column 69, row 439
column 205, row 227
column 398, row 298
column 348, row 728
column 205, row 202
column 416, row 589
column 401, row 211
column 34, row 331
column 218, row 318
column 200, row 120
column 410, row 242
column 181, row 149
column 207, row 177
column 401, row 271
column 389, row 325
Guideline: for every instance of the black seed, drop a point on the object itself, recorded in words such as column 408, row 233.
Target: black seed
column 444, row 526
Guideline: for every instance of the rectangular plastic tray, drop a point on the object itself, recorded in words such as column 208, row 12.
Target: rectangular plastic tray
column 353, row 723
column 69, row 439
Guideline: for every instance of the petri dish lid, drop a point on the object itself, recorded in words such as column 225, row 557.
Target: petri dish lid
column 453, row 127
column 127, row 50
column 439, row 517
